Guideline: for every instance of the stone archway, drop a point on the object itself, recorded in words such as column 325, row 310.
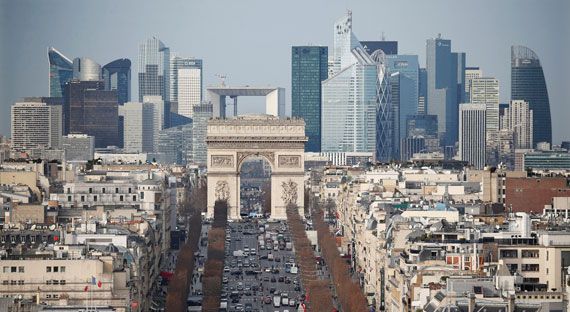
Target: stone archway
column 281, row 142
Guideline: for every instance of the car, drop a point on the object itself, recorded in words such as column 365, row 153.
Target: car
column 297, row 288
column 277, row 259
column 273, row 280
column 266, row 278
column 272, row 290
column 287, row 281
column 225, row 280
column 281, row 279
column 292, row 303
column 275, row 271
column 226, row 269
column 267, row 300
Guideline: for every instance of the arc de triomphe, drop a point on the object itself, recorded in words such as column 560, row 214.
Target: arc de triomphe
column 281, row 142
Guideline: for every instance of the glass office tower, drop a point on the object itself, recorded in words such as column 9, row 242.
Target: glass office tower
column 117, row 76
column 407, row 93
column 528, row 84
column 356, row 98
column 60, row 72
column 309, row 65
column 445, row 74
column 154, row 73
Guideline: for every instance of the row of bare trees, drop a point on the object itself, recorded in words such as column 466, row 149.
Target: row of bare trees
column 349, row 293
column 213, row 271
column 306, row 259
column 179, row 285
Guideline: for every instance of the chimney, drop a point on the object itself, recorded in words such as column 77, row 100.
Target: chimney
column 511, row 303
column 471, row 307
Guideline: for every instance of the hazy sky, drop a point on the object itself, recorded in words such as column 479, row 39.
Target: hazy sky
column 251, row 40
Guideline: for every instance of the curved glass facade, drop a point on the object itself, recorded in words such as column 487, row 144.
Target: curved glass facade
column 117, row 76
column 60, row 72
column 528, row 84
column 85, row 69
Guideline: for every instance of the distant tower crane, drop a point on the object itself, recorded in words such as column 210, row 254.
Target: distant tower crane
column 223, row 77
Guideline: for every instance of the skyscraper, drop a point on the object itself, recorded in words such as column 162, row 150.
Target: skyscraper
column 486, row 91
column 60, row 72
column 201, row 113
column 471, row 73
column 57, row 116
column 158, row 112
column 85, row 69
column 154, row 72
column 518, row 118
column 309, row 66
column 472, row 134
column 408, row 92
column 422, row 93
column 175, row 145
column 91, row 110
column 445, row 73
column 185, row 83
column 32, row 125
column 117, row 76
column 138, row 127
column 528, row 84
column 356, row 103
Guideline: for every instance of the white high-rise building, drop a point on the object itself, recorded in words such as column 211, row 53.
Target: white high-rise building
column 471, row 73
column 35, row 125
column 518, row 118
column 158, row 117
column 486, row 91
column 472, row 134
column 138, row 124
column 185, row 83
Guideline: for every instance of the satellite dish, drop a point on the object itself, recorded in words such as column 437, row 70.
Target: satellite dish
column 52, row 227
column 33, row 227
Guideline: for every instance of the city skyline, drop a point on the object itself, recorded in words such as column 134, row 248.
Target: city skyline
column 25, row 66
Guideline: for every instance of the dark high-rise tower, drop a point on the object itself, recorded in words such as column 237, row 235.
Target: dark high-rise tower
column 388, row 47
column 528, row 84
column 91, row 110
column 445, row 74
column 60, row 72
column 117, row 76
column 309, row 68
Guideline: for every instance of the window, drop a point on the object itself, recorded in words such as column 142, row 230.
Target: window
column 48, row 269
column 90, row 190
column 68, row 190
column 121, row 198
column 13, row 282
column 103, row 190
column 21, row 269
column 48, row 296
column 530, row 267
column 20, row 282
column 116, row 190
column 13, row 269
column 62, row 269
column 134, row 197
column 129, row 189
column 509, row 253
column 95, row 198
column 82, row 198
column 142, row 195
column 62, row 282
column 529, row 253
column 6, row 269
column 55, row 269
column 55, row 282
column 5, row 282
column 68, row 198
column 48, row 282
